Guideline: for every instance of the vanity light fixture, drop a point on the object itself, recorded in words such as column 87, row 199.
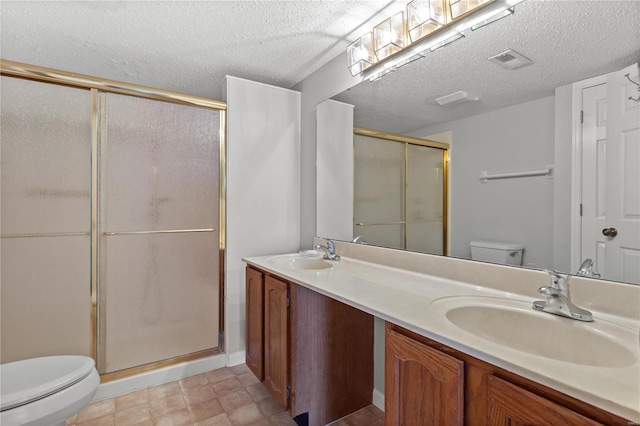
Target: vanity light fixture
column 430, row 25
column 460, row 7
column 424, row 17
column 360, row 54
column 388, row 36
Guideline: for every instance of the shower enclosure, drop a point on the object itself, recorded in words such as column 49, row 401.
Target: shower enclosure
column 111, row 221
column 400, row 191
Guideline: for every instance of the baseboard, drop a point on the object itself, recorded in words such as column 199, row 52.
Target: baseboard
column 159, row 376
column 236, row 358
column 378, row 399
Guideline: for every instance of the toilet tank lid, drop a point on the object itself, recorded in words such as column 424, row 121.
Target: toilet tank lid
column 24, row 381
column 497, row 245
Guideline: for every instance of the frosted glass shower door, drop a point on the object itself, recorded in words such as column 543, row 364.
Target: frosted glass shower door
column 379, row 199
column 159, row 250
column 425, row 199
column 46, row 220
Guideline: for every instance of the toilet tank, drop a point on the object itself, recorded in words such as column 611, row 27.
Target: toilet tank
column 497, row 252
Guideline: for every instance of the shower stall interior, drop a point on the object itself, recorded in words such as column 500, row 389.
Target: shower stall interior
column 111, row 225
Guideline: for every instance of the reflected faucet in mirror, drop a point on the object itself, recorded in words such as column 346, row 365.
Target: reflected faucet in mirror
column 586, row 269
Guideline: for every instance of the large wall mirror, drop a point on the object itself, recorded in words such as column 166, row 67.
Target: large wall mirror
column 528, row 120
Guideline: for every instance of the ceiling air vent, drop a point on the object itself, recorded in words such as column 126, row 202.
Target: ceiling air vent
column 510, row 59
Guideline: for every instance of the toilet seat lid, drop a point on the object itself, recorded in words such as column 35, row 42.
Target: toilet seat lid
column 24, row 381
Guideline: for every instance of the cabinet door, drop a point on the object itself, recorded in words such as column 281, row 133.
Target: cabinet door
column 276, row 330
column 422, row 385
column 254, row 326
column 511, row 405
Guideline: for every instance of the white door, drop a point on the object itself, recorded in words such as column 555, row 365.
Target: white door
column 611, row 177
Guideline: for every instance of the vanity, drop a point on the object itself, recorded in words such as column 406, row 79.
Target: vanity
column 457, row 351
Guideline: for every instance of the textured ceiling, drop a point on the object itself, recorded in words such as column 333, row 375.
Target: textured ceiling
column 567, row 40
column 184, row 46
column 190, row 46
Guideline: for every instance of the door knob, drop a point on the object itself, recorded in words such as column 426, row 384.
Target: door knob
column 610, row 232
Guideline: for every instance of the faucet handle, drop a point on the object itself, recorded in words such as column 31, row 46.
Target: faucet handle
column 559, row 281
column 330, row 245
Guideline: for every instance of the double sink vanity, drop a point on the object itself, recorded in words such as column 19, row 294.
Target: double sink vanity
column 462, row 342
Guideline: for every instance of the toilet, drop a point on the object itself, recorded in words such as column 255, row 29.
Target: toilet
column 497, row 252
column 47, row 390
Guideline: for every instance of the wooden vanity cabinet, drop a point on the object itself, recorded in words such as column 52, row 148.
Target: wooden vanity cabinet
column 254, row 322
column 423, row 385
column 317, row 352
column 455, row 388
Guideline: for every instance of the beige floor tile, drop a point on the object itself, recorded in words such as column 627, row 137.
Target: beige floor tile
column 240, row 369
column 258, row 392
column 96, row 409
column 281, row 419
column 219, row 420
column 246, row 415
column 361, row 417
column 205, row 410
column 227, row 386
column 193, row 396
column 269, row 407
column 263, row 422
column 234, row 400
column 248, row 379
column 108, row 420
column 196, row 381
column 176, row 418
column 133, row 416
column 376, row 411
column 72, row 420
column 160, row 407
column 132, row 399
column 164, row 391
column 219, row 375
column 144, row 423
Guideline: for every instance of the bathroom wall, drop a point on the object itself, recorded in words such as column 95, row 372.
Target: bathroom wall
column 263, row 189
column 516, row 138
column 334, row 181
column 331, row 79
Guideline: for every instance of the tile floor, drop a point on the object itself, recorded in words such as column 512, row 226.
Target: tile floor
column 223, row 397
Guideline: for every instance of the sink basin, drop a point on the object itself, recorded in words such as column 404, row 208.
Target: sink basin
column 301, row 262
column 513, row 324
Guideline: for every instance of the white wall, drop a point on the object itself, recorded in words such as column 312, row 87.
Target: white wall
column 328, row 81
column 563, row 152
column 334, row 182
column 263, row 189
column 516, row 138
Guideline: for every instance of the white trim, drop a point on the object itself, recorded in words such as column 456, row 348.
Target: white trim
column 159, row 377
column 236, row 358
column 338, row 102
column 576, row 167
column 378, row 399
column 257, row 83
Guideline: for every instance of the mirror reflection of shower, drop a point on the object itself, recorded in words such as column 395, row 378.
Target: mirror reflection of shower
column 399, row 192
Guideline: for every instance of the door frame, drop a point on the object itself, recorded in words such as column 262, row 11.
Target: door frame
column 576, row 166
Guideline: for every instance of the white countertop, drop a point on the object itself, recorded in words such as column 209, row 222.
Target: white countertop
column 408, row 299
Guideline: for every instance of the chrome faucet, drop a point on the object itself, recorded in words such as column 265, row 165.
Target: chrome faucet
column 559, row 299
column 586, row 269
column 329, row 254
column 359, row 240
